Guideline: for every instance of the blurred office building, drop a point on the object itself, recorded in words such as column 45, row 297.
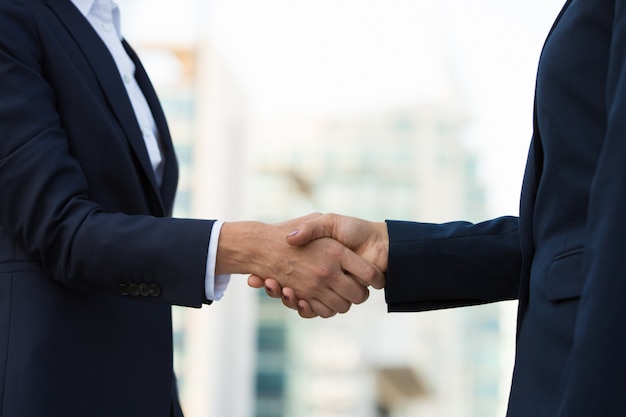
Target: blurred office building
column 246, row 355
column 206, row 112
column 406, row 163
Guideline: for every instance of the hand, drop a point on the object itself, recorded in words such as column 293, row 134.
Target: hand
column 367, row 239
column 324, row 272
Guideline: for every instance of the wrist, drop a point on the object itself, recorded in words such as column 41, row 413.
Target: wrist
column 381, row 246
column 236, row 249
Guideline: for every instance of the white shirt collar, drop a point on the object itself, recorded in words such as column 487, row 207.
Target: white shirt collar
column 86, row 7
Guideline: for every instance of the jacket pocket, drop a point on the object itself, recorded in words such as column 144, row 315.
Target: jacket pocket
column 565, row 277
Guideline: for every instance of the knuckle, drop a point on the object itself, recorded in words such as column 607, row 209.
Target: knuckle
column 324, row 271
column 335, row 251
column 332, row 216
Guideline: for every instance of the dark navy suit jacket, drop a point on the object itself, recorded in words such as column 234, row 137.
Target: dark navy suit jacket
column 565, row 256
column 89, row 261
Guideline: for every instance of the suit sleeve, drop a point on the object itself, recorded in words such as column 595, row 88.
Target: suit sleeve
column 433, row 266
column 594, row 382
column 44, row 195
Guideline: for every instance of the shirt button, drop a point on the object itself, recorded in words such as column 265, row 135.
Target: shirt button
column 127, row 78
column 107, row 27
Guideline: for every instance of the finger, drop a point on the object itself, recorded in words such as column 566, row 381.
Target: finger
column 321, row 309
column 332, row 301
column 367, row 295
column 255, row 281
column 289, row 299
column 321, row 226
column 299, row 220
column 305, row 310
column 342, row 281
column 350, row 290
column 363, row 271
column 272, row 288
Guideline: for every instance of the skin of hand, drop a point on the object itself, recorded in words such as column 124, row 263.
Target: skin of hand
column 323, row 271
column 368, row 239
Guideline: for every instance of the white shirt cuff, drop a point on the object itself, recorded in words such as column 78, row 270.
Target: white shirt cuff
column 214, row 285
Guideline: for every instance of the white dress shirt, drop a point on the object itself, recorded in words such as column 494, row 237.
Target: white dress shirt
column 104, row 16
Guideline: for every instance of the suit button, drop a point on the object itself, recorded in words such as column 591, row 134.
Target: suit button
column 155, row 290
column 144, row 289
column 133, row 289
column 124, row 289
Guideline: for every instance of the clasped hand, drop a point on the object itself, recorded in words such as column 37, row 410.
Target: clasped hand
column 343, row 257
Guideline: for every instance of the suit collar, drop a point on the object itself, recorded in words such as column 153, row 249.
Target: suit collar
column 105, row 70
column 84, row 6
column 100, row 8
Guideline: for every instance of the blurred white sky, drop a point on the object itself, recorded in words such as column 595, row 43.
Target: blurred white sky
column 321, row 56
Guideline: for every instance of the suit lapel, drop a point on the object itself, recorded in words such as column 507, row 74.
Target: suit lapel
column 537, row 148
column 106, row 72
column 170, row 171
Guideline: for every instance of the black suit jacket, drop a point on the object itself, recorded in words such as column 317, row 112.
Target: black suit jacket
column 565, row 256
column 89, row 261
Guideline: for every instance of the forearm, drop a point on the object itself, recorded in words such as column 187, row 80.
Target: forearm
column 438, row 266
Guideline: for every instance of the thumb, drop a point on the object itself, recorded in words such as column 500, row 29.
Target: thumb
column 311, row 230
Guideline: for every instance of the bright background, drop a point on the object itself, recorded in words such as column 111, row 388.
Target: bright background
column 305, row 56
column 281, row 107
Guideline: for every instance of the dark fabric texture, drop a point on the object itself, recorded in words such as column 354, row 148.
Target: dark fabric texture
column 90, row 262
column 564, row 256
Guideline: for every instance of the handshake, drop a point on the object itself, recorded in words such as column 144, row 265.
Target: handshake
column 319, row 264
